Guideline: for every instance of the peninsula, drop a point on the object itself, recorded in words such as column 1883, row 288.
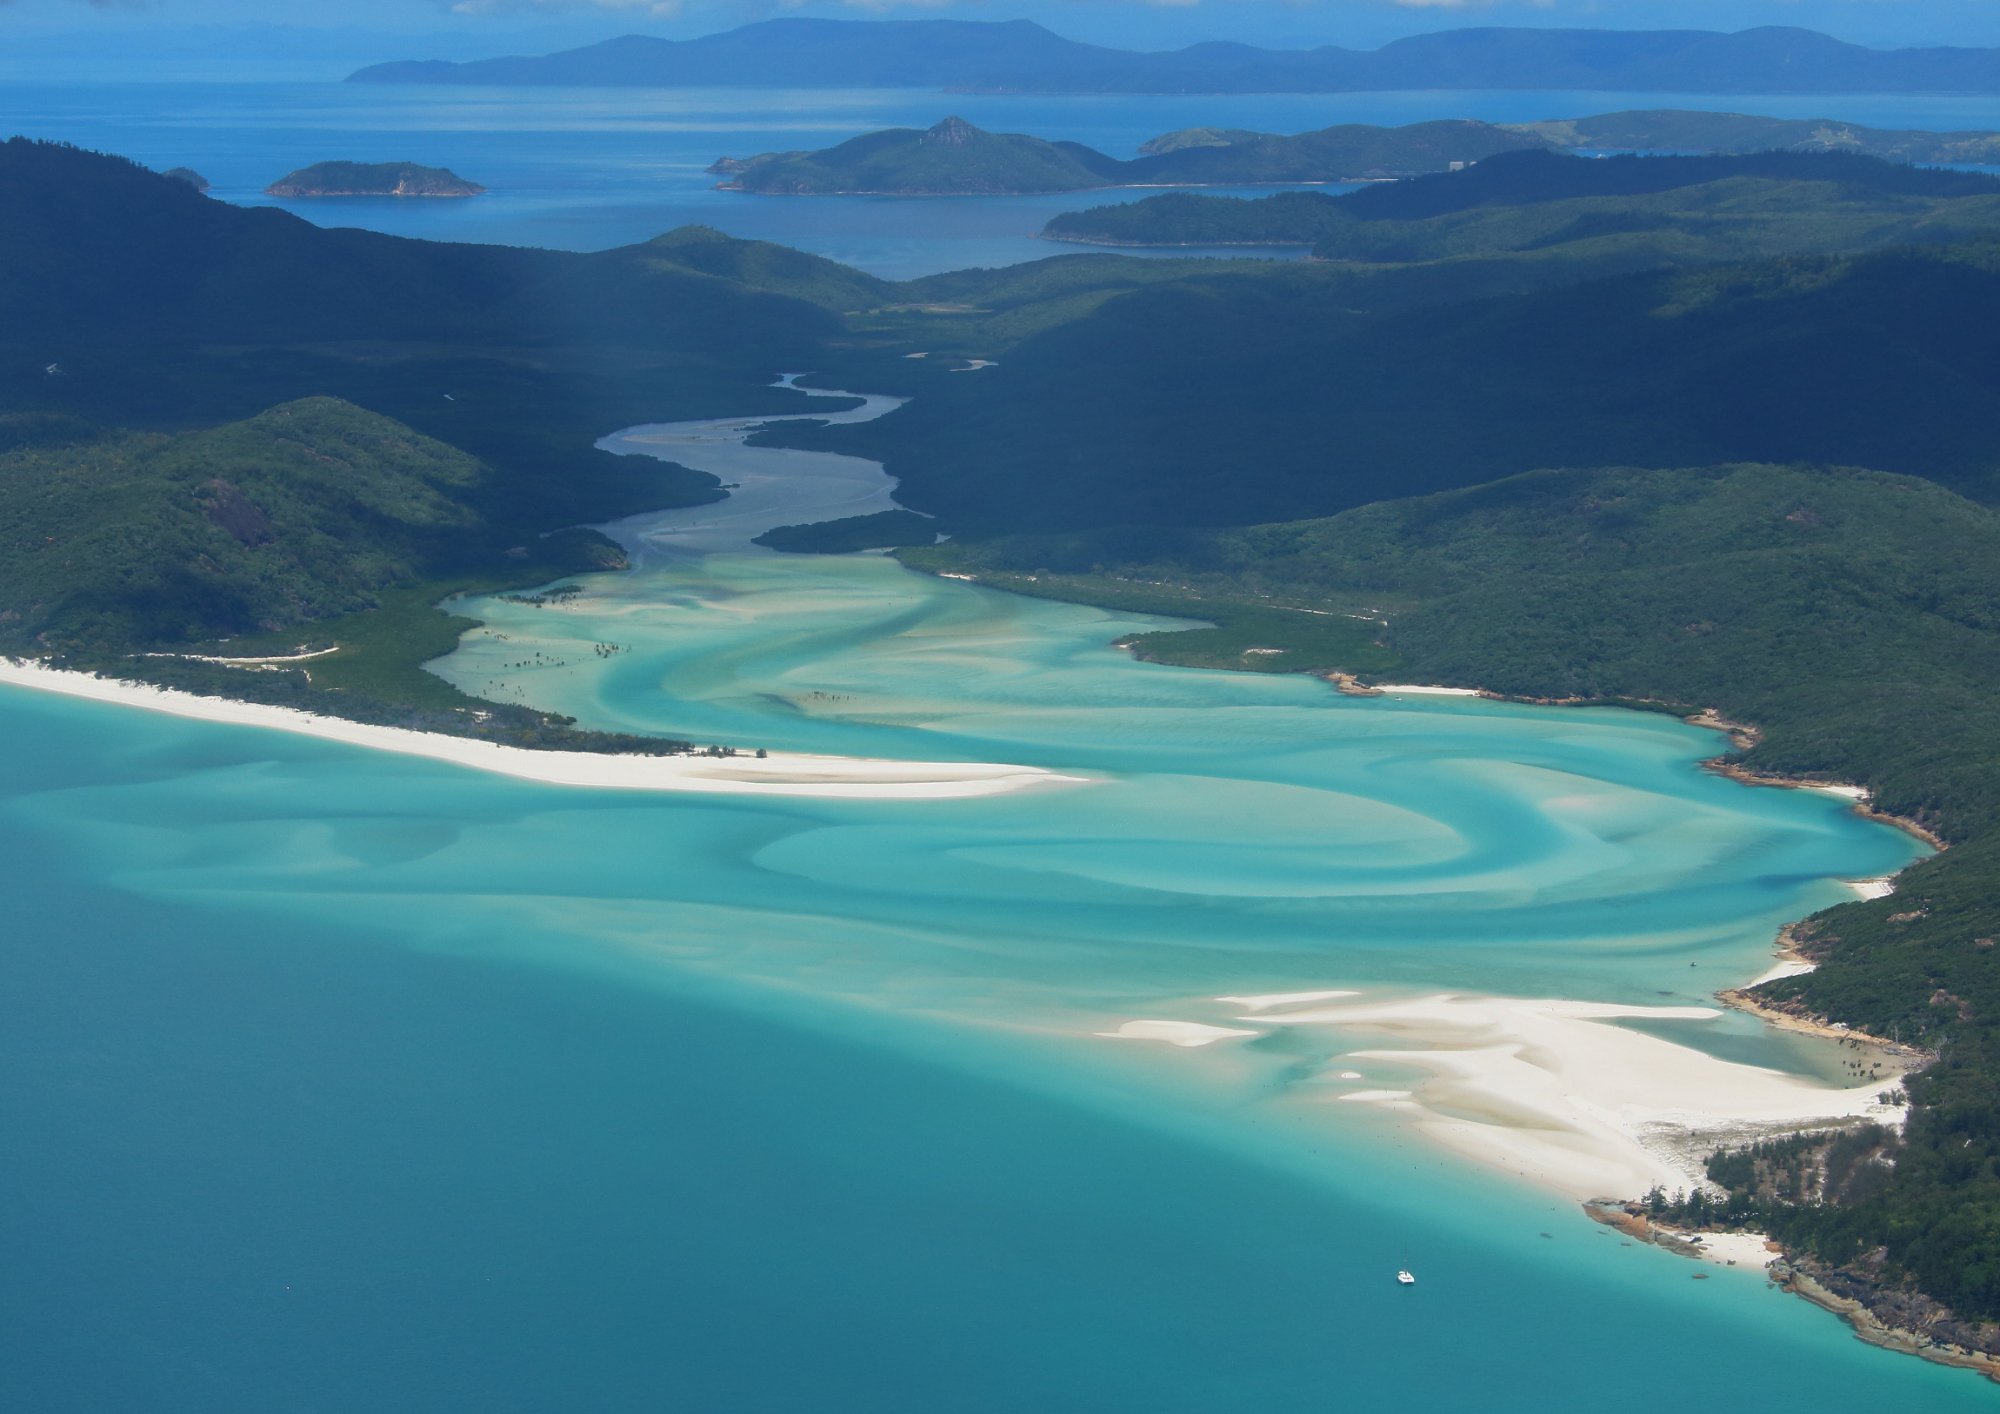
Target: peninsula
column 954, row 158
column 372, row 179
column 1627, row 211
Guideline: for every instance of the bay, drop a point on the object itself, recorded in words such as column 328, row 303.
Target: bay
column 335, row 1080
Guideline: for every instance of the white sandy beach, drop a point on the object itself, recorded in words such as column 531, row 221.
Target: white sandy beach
column 780, row 773
column 1558, row 1094
column 1555, row 1092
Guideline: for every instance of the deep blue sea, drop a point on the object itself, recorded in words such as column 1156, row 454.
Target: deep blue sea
column 339, row 1081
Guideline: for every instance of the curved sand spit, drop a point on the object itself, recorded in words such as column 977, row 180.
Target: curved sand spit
column 781, row 773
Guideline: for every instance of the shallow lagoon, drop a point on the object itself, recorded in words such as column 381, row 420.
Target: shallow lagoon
column 337, row 1080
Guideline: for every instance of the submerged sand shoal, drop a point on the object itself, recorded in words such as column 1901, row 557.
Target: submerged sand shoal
column 779, row 773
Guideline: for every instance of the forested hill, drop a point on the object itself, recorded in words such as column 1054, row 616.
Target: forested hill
column 208, row 271
column 303, row 512
column 951, row 158
column 1264, row 395
column 1651, row 131
column 1661, row 210
column 1679, row 130
column 956, row 158
column 1020, row 56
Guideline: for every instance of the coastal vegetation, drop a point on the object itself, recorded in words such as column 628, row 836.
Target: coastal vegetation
column 299, row 514
column 1543, row 206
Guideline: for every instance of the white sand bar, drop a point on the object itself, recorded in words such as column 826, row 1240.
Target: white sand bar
column 1423, row 690
column 780, row 773
column 1175, row 1033
column 1556, row 1093
column 1271, row 999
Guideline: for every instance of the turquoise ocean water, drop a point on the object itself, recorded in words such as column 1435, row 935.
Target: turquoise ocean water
column 336, row 1081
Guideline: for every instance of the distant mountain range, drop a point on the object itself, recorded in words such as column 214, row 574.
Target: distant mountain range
column 1021, row 56
column 954, row 158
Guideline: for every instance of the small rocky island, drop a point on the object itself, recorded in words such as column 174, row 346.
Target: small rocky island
column 188, row 175
column 372, row 179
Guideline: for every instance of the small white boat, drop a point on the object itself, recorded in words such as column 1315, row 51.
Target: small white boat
column 1405, row 1278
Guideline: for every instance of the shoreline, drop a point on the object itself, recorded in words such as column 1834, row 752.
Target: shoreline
column 1857, row 795
column 779, row 773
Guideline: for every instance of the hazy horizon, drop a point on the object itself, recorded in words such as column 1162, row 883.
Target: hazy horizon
column 360, row 31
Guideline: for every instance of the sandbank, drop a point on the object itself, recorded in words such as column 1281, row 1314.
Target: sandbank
column 1268, row 999
column 1176, row 1033
column 1424, row 690
column 780, row 773
column 1559, row 1094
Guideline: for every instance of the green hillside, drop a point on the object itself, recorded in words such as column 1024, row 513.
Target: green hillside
column 301, row 513
column 1682, row 210
column 1673, row 130
column 955, row 158
column 952, row 158
column 1269, row 394
column 210, row 272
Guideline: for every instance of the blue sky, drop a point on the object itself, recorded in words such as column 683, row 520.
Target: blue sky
column 461, row 28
